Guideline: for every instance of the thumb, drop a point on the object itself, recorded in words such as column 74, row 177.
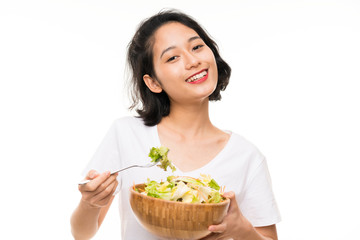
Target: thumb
column 233, row 204
column 220, row 228
column 92, row 174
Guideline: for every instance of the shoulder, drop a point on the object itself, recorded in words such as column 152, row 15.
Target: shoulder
column 244, row 151
column 132, row 127
column 128, row 122
column 243, row 144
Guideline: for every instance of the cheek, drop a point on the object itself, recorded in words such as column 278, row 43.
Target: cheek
column 209, row 55
column 169, row 73
column 215, row 69
column 213, row 65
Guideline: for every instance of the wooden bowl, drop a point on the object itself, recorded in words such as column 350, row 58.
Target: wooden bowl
column 176, row 220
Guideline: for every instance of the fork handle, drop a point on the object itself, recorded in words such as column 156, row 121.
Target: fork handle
column 88, row 180
column 124, row 169
column 84, row 182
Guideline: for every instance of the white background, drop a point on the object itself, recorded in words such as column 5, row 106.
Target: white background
column 294, row 92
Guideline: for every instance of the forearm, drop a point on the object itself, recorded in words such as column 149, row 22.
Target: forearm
column 84, row 221
column 266, row 233
column 249, row 232
column 255, row 235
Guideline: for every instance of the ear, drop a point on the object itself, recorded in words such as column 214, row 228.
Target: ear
column 152, row 84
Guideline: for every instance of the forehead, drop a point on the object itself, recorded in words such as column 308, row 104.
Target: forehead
column 172, row 34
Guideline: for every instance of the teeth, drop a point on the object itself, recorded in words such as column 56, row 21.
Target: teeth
column 196, row 77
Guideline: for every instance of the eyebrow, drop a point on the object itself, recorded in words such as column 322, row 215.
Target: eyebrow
column 172, row 47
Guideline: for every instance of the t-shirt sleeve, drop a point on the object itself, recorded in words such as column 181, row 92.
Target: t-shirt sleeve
column 108, row 155
column 258, row 203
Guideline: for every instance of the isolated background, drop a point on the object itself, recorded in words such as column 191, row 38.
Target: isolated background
column 294, row 93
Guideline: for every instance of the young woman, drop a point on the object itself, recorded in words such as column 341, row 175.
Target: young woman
column 176, row 71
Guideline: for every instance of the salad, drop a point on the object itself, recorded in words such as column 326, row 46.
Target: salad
column 180, row 189
column 185, row 189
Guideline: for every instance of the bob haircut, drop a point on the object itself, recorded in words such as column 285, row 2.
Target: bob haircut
column 152, row 107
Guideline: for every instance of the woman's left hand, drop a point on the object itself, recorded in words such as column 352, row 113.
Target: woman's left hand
column 234, row 226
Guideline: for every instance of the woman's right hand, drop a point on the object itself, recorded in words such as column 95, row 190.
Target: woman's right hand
column 99, row 191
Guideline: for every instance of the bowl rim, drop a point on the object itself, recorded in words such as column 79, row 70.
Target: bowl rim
column 132, row 190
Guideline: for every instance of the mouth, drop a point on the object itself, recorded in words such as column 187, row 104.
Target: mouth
column 198, row 77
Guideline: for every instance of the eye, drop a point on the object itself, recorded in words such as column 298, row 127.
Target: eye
column 172, row 59
column 198, row 47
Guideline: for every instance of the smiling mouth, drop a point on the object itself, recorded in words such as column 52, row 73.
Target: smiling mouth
column 196, row 77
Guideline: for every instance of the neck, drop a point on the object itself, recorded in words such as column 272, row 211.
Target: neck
column 188, row 120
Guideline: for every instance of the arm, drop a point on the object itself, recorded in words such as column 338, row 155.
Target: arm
column 96, row 199
column 237, row 227
column 269, row 232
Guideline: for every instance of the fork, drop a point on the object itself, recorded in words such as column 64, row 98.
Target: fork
column 120, row 170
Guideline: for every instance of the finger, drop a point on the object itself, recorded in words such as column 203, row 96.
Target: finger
column 211, row 236
column 105, row 184
column 100, row 199
column 220, row 228
column 233, row 203
column 217, row 236
column 106, row 199
column 96, row 182
column 115, row 187
column 105, row 193
column 229, row 194
column 92, row 174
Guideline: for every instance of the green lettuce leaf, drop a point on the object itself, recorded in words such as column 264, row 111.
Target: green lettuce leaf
column 213, row 184
column 160, row 155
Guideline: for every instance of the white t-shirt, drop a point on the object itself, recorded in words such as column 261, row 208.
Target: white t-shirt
column 240, row 167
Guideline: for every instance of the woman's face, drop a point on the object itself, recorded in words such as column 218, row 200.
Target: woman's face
column 184, row 65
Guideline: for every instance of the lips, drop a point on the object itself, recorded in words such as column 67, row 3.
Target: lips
column 198, row 77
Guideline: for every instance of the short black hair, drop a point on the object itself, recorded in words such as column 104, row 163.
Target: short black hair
column 152, row 107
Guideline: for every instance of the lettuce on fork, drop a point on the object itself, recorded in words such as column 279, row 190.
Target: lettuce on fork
column 160, row 155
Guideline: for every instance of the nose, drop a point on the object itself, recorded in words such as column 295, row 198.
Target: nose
column 191, row 61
